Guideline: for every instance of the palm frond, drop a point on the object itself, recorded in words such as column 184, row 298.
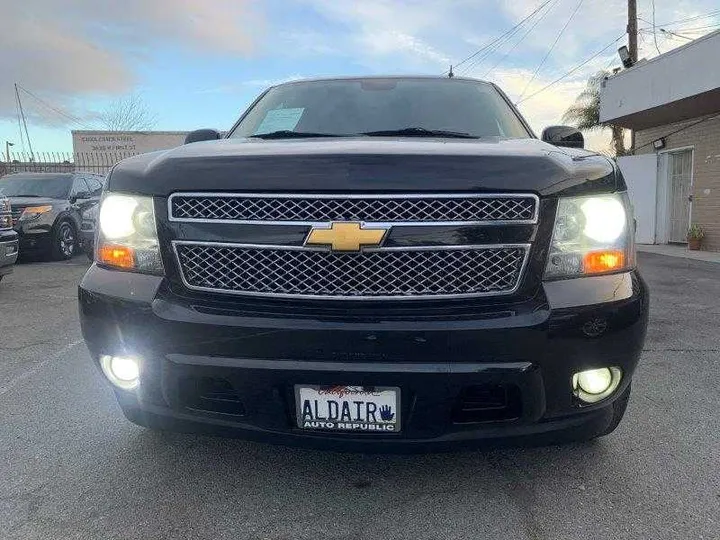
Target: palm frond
column 584, row 113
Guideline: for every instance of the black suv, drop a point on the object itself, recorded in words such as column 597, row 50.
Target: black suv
column 370, row 264
column 47, row 209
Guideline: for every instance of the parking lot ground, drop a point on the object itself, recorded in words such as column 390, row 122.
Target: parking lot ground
column 72, row 468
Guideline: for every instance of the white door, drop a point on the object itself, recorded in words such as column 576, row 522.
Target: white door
column 679, row 171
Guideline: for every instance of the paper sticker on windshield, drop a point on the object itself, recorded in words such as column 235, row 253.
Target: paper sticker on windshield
column 280, row 120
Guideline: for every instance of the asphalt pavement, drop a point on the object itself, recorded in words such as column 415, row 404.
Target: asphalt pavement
column 71, row 467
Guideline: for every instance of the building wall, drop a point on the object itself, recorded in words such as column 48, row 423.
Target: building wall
column 704, row 137
column 662, row 81
column 640, row 174
column 125, row 142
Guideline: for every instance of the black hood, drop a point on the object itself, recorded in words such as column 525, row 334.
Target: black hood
column 367, row 164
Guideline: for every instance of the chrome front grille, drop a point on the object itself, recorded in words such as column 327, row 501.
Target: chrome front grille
column 371, row 274
column 310, row 209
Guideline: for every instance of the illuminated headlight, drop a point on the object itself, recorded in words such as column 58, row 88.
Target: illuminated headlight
column 592, row 235
column 595, row 385
column 122, row 371
column 34, row 212
column 127, row 236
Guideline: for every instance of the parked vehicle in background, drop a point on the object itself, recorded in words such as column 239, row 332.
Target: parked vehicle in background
column 8, row 238
column 47, row 209
column 87, row 231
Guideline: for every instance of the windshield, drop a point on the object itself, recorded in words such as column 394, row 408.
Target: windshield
column 382, row 106
column 54, row 187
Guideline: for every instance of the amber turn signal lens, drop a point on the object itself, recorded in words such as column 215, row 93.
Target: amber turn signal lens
column 598, row 262
column 117, row 256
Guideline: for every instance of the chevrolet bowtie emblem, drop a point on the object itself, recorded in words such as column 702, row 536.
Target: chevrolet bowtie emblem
column 346, row 236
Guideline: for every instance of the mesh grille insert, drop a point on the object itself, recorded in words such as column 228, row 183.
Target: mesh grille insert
column 383, row 273
column 490, row 208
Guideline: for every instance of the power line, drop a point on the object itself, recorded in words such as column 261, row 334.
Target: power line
column 484, row 47
column 655, row 28
column 573, row 70
column 670, row 34
column 679, row 130
column 695, row 30
column 19, row 122
column 525, row 35
column 73, row 119
column 688, row 19
column 552, row 47
column 489, row 52
column 699, row 28
column 22, row 114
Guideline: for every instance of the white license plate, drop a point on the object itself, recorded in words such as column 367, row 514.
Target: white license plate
column 348, row 408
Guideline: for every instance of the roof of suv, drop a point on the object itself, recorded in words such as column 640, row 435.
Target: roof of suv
column 384, row 77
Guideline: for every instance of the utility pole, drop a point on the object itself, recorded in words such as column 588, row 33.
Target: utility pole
column 8, row 144
column 632, row 31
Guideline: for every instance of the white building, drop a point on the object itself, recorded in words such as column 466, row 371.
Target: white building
column 672, row 102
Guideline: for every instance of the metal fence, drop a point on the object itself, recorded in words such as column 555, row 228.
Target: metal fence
column 99, row 163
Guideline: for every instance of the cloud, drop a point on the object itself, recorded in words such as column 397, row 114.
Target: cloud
column 93, row 47
column 243, row 85
column 382, row 29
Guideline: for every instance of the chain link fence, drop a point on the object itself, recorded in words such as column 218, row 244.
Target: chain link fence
column 62, row 162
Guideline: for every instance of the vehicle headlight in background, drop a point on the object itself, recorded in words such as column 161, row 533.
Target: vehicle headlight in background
column 592, row 235
column 34, row 212
column 127, row 236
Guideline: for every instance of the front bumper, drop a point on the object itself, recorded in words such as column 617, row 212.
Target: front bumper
column 532, row 348
column 8, row 251
column 34, row 236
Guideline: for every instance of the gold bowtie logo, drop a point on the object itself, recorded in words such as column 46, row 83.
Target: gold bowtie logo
column 346, row 236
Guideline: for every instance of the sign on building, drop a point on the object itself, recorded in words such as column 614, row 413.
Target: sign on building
column 125, row 142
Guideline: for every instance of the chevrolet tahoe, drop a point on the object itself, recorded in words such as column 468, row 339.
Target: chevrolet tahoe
column 372, row 263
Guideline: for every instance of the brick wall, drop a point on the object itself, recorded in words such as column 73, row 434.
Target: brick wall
column 705, row 138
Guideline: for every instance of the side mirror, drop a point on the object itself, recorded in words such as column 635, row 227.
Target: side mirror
column 563, row 136
column 72, row 199
column 202, row 135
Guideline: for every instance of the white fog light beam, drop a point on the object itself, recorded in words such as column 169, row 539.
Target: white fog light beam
column 122, row 371
column 594, row 385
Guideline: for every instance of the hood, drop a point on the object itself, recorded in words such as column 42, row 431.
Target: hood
column 364, row 164
column 22, row 202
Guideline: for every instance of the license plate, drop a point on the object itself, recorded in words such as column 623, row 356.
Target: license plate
column 348, row 408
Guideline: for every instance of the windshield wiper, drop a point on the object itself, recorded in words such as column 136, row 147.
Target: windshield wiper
column 287, row 134
column 419, row 132
column 23, row 195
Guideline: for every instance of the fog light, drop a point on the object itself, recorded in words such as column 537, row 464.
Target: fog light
column 122, row 371
column 595, row 385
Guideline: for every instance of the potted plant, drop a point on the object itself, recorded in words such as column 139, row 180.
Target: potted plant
column 695, row 236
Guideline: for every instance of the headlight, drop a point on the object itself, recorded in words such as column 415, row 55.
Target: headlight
column 34, row 212
column 127, row 236
column 592, row 235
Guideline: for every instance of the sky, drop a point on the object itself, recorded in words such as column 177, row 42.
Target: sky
column 200, row 63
